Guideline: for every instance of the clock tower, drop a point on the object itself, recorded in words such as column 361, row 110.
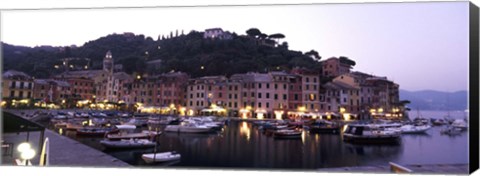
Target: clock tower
column 108, row 63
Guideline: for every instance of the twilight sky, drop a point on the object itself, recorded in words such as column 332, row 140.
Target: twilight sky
column 418, row 45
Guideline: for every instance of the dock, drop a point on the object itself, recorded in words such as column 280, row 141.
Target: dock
column 415, row 168
column 63, row 151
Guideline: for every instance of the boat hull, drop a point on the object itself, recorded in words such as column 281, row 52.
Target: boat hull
column 160, row 157
column 126, row 145
column 384, row 139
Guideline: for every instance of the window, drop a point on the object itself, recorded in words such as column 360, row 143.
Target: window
column 244, row 94
column 276, row 86
column 259, row 95
column 268, row 105
column 344, row 100
column 284, row 96
column 12, row 93
column 268, row 85
column 307, row 80
column 275, row 96
column 285, row 86
column 235, row 105
column 259, row 105
column 259, row 85
column 252, row 94
column 295, row 96
column 229, row 96
column 268, row 95
column 312, row 97
column 219, row 95
column 235, row 96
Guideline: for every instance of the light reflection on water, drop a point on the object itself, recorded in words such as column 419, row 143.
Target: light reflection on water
column 242, row 145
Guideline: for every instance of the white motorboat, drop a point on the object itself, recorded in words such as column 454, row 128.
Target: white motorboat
column 371, row 133
column 189, row 128
column 451, row 131
column 461, row 124
column 414, row 129
column 132, row 143
column 160, row 157
column 126, row 132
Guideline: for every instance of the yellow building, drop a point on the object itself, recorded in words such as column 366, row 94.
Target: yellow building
column 17, row 88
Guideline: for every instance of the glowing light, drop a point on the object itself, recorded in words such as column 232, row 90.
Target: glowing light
column 347, row 116
column 380, row 110
column 302, row 109
column 202, row 67
column 259, row 115
column 23, row 147
column 139, row 77
column 342, row 110
column 190, row 112
column 278, row 115
column 245, row 130
column 28, row 154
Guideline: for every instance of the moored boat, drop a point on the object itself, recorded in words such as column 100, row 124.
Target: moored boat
column 124, row 144
column 414, row 129
column 460, row 124
column 370, row 133
column 287, row 134
column 160, row 157
column 323, row 126
column 93, row 131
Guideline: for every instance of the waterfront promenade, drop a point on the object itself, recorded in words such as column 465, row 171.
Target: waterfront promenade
column 424, row 169
column 63, row 151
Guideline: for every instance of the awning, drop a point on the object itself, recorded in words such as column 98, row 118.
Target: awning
column 15, row 124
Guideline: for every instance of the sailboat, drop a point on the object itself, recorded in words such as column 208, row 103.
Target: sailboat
column 419, row 120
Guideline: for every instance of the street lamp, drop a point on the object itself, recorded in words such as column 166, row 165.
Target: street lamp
column 26, row 152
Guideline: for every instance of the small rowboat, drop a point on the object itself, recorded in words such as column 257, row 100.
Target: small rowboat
column 160, row 157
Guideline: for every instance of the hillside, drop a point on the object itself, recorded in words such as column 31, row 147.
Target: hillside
column 435, row 100
column 188, row 53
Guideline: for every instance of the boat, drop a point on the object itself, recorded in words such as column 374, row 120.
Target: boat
column 125, row 132
column 189, row 128
column 451, row 131
column 124, row 144
column 288, row 134
column 61, row 125
column 73, row 126
column 323, row 126
column 160, row 157
column 439, row 122
column 414, row 129
column 371, row 133
column 93, row 131
column 461, row 124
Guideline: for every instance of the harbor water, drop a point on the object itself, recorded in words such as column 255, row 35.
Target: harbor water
column 242, row 145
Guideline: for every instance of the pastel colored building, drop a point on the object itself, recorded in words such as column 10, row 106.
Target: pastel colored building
column 333, row 67
column 17, row 85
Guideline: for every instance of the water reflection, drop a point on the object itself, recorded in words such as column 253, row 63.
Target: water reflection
column 242, row 145
column 245, row 130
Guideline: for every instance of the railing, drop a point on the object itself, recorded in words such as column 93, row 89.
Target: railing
column 396, row 168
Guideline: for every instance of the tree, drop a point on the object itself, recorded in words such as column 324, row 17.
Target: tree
column 346, row 60
column 253, row 32
column 314, row 54
column 277, row 36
